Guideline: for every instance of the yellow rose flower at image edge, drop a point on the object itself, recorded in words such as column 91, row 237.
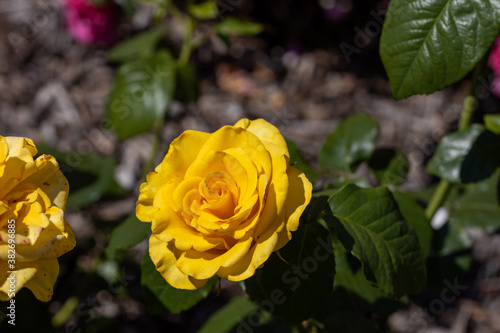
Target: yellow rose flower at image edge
column 33, row 193
column 221, row 203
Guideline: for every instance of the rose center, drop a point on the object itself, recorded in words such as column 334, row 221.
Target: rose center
column 220, row 194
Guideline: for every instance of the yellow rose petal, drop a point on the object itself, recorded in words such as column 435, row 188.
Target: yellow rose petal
column 256, row 256
column 168, row 226
column 211, row 161
column 23, row 273
column 295, row 204
column 42, row 283
column 204, row 265
column 164, row 260
column 249, row 225
column 4, row 152
column 50, row 180
column 233, row 137
column 277, row 194
column 251, row 172
column 181, row 154
column 265, row 131
column 180, row 192
column 19, row 163
column 144, row 208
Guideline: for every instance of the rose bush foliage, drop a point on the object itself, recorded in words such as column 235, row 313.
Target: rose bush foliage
column 33, row 193
column 221, row 203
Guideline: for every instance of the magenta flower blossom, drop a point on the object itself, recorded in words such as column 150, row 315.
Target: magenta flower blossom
column 89, row 23
column 494, row 63
column 494, row 60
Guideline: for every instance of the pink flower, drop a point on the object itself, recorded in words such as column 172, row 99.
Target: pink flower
column 90, row 24
column 494, row 60
column 494, row 63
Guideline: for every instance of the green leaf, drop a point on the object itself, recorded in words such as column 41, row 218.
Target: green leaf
column 89, row 176
column 352, row 142
column 234, row 27
column 204, row 11
column 296, row 292
column 370, row 226
column 426, row 45
column 349, row 274
column 127, row 234
column 142, row 93
column 188, row 82
column 414, row 214
column 451, row 255
column 140, row 46
column 162, row 297
column 298, row 161
column 466, row 156
column 492, row 122
column 390, row 166
column 455, row 241
column 479, row 205
column 229, row 316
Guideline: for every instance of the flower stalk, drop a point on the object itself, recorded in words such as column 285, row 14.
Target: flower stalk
column 470, row 105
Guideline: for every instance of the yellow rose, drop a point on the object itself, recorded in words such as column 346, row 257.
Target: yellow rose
column 33, row 194
column 221, row 203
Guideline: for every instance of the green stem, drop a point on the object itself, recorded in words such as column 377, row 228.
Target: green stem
column 187, row 46
column 438, row 198
column 66, row 310
column 470, row 105
column 157, row 131
column 467, row 112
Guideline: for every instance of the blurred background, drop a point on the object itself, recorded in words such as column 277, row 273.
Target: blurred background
column 310, row 65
